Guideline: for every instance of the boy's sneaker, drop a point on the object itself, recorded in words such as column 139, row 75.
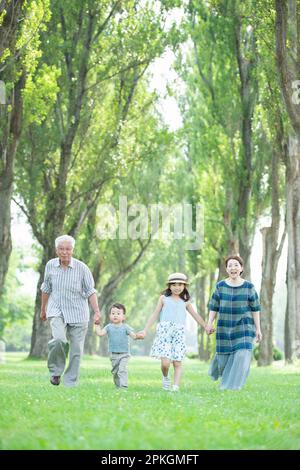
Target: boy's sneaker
column 175, row 388
column 166, row 382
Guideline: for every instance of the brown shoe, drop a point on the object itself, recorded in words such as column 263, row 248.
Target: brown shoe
column 55, row 380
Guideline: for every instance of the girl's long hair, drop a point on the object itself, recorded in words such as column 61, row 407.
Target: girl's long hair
column 184, row 294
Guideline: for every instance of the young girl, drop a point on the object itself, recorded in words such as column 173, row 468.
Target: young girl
column 169, row 343
column 236, row 302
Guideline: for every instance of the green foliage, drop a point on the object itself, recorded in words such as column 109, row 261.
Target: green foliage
column 277, row 353
column 15, row 307
column 192, row 355
column 17, row 335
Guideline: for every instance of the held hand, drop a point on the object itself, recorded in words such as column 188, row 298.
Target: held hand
column 97, row 318
column 141, row 334
column 43, row 315
column 258, row 336
column 209, row 329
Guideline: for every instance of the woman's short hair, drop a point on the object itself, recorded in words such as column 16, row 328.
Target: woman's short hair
column 64, row 238
column 236, row 257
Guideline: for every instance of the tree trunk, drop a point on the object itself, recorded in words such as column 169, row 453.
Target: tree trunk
column 246, row 59
column 41, row 332
column 271, row 253
column 201, row 308
column 287, row 55
column 266, row 298
column 8, row 148
column 11, row 118
column 288, row 351
column 5, row 235
column 90, row 343
column 293, row 229
column 209, row 338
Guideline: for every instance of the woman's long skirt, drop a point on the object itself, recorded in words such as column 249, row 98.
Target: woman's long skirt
column 233, row 368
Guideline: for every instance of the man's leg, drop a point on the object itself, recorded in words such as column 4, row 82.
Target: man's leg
column 58, row 347
column 76, row 334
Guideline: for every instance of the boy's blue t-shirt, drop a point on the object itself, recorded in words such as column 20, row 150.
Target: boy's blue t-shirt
column 118, row 339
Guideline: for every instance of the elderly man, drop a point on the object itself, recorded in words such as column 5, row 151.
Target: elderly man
column 67, row 287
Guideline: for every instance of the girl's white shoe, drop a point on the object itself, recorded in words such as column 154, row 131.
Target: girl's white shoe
column 166, row 382
column 175, row 388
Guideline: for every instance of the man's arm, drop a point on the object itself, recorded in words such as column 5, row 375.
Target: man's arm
column 94, row 304
column 45, row 298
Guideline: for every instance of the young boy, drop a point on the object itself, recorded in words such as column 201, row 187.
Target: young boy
column 118, row 343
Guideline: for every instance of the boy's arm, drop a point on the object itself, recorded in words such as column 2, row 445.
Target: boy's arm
column 100, row 331
column 132, row 335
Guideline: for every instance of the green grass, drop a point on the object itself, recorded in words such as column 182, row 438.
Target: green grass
column 36, row 415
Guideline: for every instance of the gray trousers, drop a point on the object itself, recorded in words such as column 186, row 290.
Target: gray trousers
column 119, row 363
column 62, row 333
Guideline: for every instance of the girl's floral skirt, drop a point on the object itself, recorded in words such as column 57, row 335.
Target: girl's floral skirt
column 169, row 341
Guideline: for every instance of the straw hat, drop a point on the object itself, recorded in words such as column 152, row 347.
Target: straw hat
column 177, row 277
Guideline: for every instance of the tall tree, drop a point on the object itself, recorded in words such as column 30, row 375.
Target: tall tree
column 20, row 26
column 72, row 153
column 287, row 54
column 12, row 76
column 222, row 84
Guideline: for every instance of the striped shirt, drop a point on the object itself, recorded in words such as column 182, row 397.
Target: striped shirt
column 235, row 305
column 69, row 289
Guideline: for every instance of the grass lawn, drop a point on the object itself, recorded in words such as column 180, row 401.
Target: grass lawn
column 36, row 415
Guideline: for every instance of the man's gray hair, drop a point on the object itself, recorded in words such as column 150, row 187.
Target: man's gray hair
column 64, row 238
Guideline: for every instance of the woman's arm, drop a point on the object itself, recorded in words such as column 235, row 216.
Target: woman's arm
column 211, row 318
column 199, row 319
column 256, row 320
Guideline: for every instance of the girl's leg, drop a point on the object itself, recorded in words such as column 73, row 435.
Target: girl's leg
column 165, row 365
column 177, row 372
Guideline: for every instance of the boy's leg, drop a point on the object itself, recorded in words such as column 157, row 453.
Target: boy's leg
column 115, row 360
column 122, row 370
column 76, row 333
column 58, row 347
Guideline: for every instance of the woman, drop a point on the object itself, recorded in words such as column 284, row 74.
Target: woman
column 236, row 302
